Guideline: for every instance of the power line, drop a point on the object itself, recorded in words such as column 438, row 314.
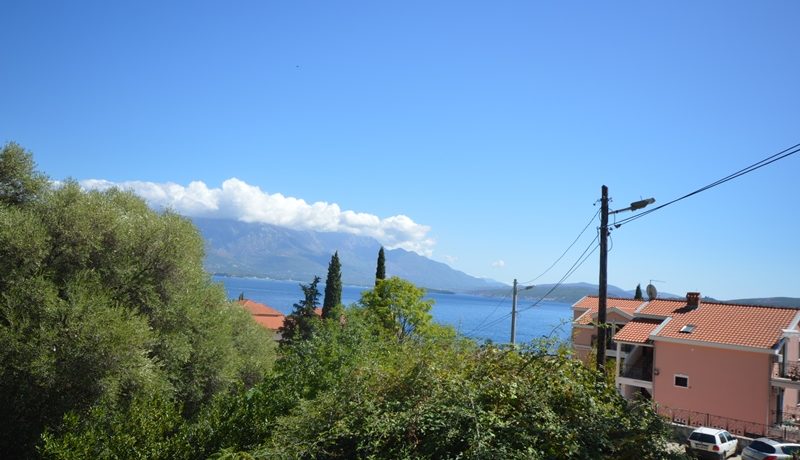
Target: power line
column 580, row 261
column 766, row 161
column 566, row 250
column 585, row 256
column 478, row 327
column 572, row 270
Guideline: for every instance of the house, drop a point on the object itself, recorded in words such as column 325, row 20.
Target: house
column 267, row 317
column 701, row 363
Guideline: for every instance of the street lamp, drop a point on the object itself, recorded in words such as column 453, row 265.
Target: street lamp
column 602, row 300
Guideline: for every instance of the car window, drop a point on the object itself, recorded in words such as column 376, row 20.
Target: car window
column 790, row 449
column 728, row 436
column 762, row 447
column 703, row 437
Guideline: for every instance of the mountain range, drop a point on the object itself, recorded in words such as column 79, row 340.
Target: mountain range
column 567, row 293
column 270, row 251
column 264, row 250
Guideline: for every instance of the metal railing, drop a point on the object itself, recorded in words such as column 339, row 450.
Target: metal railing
column 789, row 371
column 785, row 427
column 697, row 419
column 638, row 372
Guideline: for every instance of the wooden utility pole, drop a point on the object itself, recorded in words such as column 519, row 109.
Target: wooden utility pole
column 514, row 313
column 603, row 294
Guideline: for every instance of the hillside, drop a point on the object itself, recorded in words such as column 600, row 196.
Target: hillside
column 567, row 293
column 264, row 250
column 769, row 301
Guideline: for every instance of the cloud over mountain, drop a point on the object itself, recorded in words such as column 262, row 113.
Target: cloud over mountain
column 239, row 200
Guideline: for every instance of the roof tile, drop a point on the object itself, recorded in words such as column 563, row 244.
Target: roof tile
column 637, row 330
column 266, row 316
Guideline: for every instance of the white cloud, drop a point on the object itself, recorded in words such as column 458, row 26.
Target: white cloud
column 499, row 263
column 239, row 200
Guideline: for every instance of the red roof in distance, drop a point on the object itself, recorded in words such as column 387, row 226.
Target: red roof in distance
column 264, row 315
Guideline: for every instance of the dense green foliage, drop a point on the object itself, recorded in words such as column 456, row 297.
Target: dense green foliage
column 299, row 325
column 20, row 183
column 354, row 390
column 104, row 302
column 333, row 287
column 114, row 344
column 399, row 307
column 380, row 269
column 638, row 294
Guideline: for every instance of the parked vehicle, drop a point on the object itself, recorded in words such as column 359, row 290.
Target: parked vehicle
column 768, row 449
column 711, row 443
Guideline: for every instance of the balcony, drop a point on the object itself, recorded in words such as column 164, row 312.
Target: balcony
column 786, row 375
column 638, row 372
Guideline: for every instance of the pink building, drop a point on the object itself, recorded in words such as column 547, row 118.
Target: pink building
column 702, row 363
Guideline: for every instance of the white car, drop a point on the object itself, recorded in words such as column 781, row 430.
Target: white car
column 711, row 443
column 767, row 449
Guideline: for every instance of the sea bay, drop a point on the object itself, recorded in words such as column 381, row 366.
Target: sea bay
column 477, row 317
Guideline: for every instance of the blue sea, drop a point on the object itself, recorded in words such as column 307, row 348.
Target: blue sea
column 481, row 318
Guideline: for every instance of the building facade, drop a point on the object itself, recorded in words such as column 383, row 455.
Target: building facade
column 734, row 366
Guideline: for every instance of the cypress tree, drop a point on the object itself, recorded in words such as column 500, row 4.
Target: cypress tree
column 299, row 325
column 380, row 272
column 333, row 286
column 638, row 295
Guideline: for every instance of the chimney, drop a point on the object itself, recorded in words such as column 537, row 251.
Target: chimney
column 692, row 300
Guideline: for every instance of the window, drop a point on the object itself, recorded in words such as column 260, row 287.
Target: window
column 688, row 329
column 681, row 381
column 790, row 449
column 703, row 437
column 763, row 447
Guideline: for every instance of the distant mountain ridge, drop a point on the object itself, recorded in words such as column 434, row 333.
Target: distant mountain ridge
column 567, row 293
column 265, row 250
column 572, row 292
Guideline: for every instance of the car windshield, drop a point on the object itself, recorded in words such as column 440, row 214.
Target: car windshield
column 703, row 437
column 762, row 447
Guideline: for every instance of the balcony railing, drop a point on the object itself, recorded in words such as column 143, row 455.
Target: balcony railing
column 789, row 371
column 780, row 427
column 644, row 373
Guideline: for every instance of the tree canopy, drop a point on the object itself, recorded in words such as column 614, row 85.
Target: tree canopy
column 115, row 343
column 102, row 301
column 299, row 325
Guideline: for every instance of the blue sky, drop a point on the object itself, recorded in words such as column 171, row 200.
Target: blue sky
column 490, row 125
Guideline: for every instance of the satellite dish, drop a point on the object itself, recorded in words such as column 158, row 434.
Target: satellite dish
column 652, row 293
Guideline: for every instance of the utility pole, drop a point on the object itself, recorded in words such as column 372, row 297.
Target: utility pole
column 514, row 313
column 603, row 290
column 603, row 294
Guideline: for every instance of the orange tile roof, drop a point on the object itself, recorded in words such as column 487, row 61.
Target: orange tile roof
column 637, row 330
column 717, row 323
column 270, row 322
column 585, row 318
column 266, row 316
column 256, row 308
column 744, row 325
column 729, row 324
